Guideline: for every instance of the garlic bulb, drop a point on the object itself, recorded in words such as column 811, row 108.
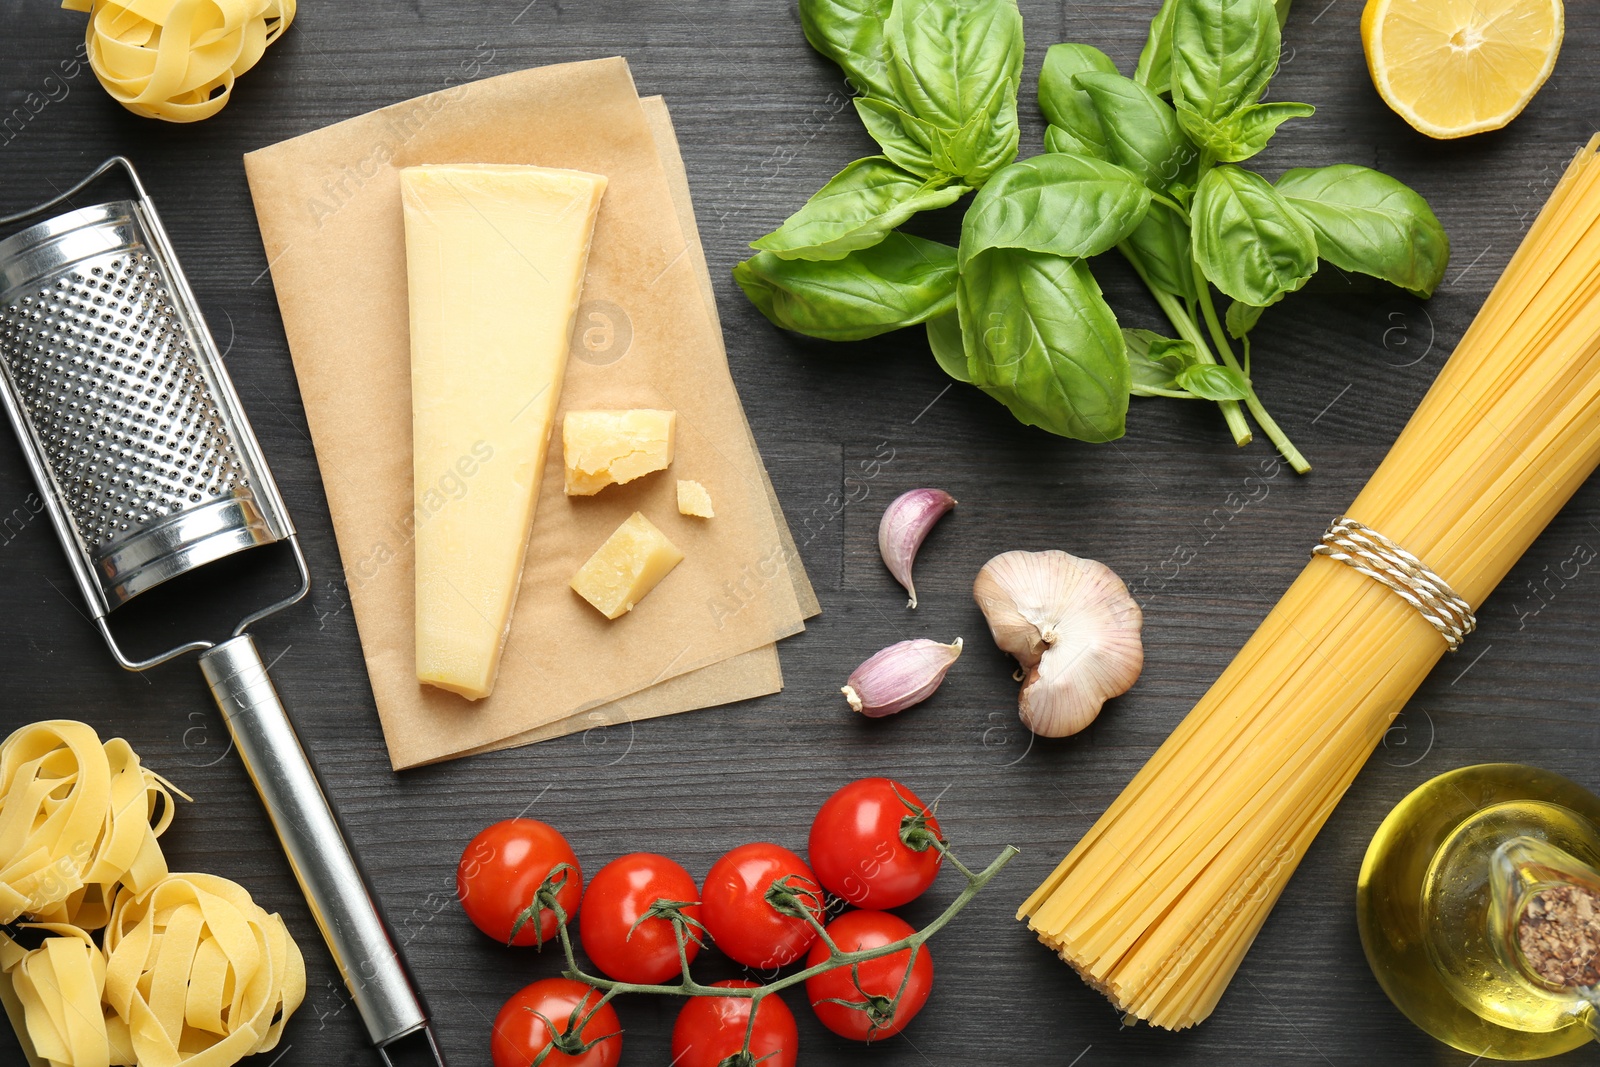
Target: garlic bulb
column 1074, row 628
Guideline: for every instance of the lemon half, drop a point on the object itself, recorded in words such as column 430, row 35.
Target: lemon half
column 1457, row 67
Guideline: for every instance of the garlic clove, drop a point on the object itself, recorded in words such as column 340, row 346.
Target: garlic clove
column 1072, row 625
column 1018, row 593
column 905, row 523
column 901, row 675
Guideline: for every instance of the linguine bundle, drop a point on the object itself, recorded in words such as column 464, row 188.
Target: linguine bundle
column 177, row 59
column 1158, row 903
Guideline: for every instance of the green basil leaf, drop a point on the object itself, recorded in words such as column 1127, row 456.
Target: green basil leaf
column 901, row 281
column 1368, row 222
column 1283, row 12
column 1155, row 59
column 904, row 139
column 857, row 207
column 987, row 143
column 944, row 338
column 1168, row 351
column 1161, row 243
column 946, row 59
column 1253, row 126
column 1164, row 366
column 1224, row 52
column 1248, row 239
column 1243, row 133
column 850, row 32
column 957, row 67
column 1154, row 363
column 1241, row 318
column 1067, row 107
column 1058, row 140
column 1142, row 133
column 1042, row 340
column 1212, row 382
column 1068, row 205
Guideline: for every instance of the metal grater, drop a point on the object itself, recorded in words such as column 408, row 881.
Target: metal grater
column 149, row 469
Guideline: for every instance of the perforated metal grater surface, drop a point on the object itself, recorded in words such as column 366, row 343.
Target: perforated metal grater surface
column 114, row 392
column 119, row 394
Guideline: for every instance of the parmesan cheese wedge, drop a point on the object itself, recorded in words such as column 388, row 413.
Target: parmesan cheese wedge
column 495, row 257
column 602, row 448
column 621, row 571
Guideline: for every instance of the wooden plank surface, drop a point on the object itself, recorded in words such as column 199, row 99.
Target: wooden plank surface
column 763, row 122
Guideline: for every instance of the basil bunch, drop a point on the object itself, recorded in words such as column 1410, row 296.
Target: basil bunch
column 1147, row 165
column 938, row 83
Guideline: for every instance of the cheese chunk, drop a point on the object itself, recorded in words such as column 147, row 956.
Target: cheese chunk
column 626, row 567
column 604, row 448
column 693, row 499
column 495, row 257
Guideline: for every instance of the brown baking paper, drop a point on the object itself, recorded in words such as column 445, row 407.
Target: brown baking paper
column 329, row 210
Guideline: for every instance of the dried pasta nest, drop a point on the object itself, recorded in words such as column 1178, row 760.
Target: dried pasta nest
column 178, row 60
column 189, row 972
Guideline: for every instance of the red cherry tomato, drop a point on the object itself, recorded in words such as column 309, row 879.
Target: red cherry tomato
column 520, row 1034
column 879, row 978
column 619, row 896
column 710, row 1030
column 857, row 851
column 736, row 912
column 503, row 867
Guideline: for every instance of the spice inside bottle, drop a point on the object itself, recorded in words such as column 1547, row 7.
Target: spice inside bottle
column 1559, row 935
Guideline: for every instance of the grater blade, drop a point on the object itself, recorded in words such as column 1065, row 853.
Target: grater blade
column 119, row 396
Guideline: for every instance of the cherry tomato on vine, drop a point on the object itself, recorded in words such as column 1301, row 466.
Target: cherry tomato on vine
column 502, row 868
column 520, row 1035
column 857, row 849
column 745, row 926
column 880, row 979
column 619, row 897
column 710, row 1030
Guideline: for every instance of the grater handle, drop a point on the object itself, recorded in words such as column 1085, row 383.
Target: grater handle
column 340, row 901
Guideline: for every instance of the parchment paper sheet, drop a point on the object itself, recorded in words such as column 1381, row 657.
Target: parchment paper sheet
column 751, row 674
column 328, row 206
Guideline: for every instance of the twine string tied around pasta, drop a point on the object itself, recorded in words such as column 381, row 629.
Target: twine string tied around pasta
column 1374, row 555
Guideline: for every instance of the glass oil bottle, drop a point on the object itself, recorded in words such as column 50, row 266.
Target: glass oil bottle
column 1479, row 909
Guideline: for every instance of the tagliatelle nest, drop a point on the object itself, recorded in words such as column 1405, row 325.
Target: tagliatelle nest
column 59, row 986
column 192, row 972
column 76, row 818
column 177, row 59
column 197, row 973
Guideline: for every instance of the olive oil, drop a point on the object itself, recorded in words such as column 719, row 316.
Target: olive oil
column 1444, row 886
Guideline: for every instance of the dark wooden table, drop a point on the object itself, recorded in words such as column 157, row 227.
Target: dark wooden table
column 763, row 123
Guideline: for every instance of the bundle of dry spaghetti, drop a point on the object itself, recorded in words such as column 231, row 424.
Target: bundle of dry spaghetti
column 1159, row 902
